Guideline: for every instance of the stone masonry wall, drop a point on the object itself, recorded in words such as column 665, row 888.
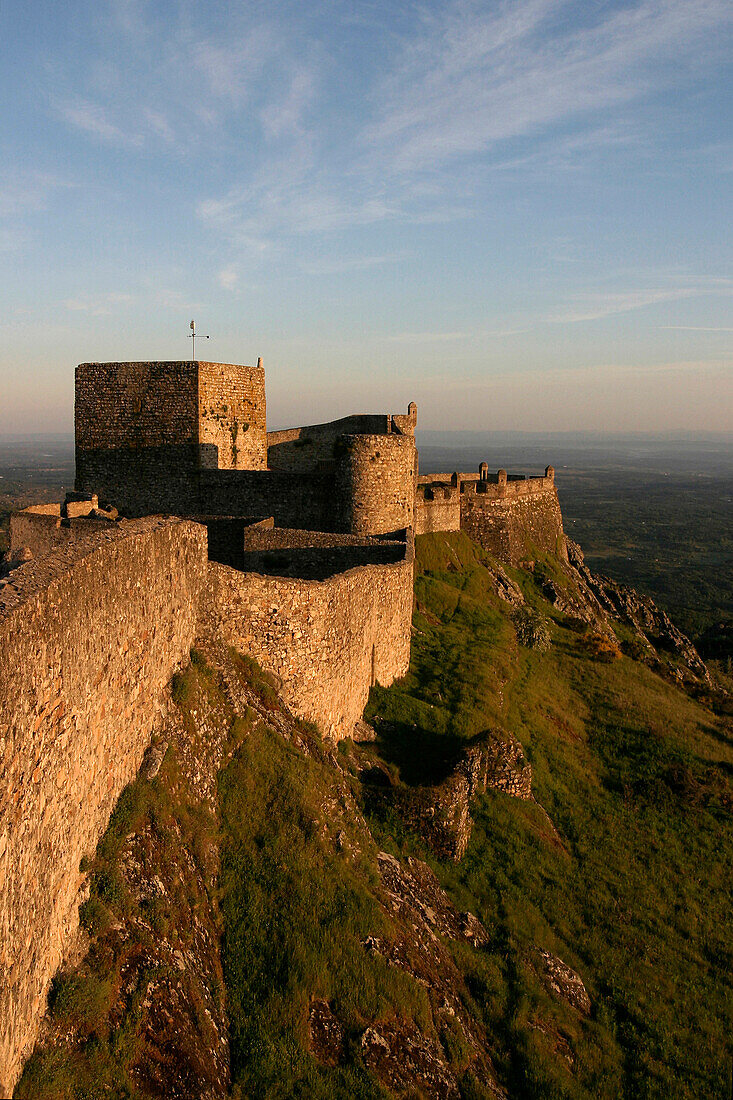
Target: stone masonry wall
column 510, row 516
column 375, row 483
column 44, row 532
column 312, row 554
column 304, row 448
column 299, row 449
column 513, row 519
column 437, row 508
column 232, row 416
column 305, row 500
column 137, row 435
column 89, row 638
column 327, row 641
column 144, row 430
column 122, row 405
column 368, row 490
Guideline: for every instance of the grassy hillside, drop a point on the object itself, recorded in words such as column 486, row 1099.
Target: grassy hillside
column 289, row 892
column 634, row 890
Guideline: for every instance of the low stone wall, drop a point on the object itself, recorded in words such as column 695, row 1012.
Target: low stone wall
column 437, row 508
column 89, row 638
column 314, row 555
column 300, row 449
column 226, row 535
column 327, row 640
column 43, row 530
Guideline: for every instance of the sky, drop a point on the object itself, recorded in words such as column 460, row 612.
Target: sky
column 517, row 214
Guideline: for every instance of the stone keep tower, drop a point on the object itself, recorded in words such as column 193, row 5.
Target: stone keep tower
column 145, row 430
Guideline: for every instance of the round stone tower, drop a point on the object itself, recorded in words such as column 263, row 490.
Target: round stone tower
column 375, row 483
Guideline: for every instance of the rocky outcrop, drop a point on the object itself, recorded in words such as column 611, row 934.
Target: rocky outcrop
column 506, row 589
column 424, row 918
column 562, row 981
column 413, row 890
column 440, row 813
column 654, row 629
column 405, row 1060
column 326, row 1034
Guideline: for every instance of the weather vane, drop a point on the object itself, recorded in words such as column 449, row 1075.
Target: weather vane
column 192, row 336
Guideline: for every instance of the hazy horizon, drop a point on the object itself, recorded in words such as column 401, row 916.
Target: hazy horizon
column 688, row 454
column 511, row 213
column 580, row 434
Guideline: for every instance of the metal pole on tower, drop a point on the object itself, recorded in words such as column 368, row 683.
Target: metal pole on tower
column 192, row 336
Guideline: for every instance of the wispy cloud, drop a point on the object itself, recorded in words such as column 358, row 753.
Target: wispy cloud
column 292, row 198
column 232, row 67
column 694, row 328
column 98, row 305
column 190, row 84
column 228, row 278
column 474, row 77
column 285, row 116
column 454, row 102
column 160, row 125
column 93, row 119
column 23, row 194
column 22, row 190
column 339, row 266
column 594, row 307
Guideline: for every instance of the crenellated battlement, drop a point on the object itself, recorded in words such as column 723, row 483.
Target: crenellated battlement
column 510, row 515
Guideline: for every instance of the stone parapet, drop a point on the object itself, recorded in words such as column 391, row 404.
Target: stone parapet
column 328, row 641
column 509, row 515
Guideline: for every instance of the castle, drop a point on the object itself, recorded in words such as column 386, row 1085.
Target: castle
column 296, row 547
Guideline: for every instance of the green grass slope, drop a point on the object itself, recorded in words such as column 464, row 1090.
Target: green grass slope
column 221, row 915
column 634, row 889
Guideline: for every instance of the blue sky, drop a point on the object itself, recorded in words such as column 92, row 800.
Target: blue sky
column 517, row 214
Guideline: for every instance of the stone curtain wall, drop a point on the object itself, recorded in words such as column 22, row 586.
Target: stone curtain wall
column 510, row 520
column 305, row 501
column 375, row 483
column 300, row 449
column 88, row 641
column 44, row 531
column 312, row 554
column 327, row 641
column 506, row 515
column 369, row 490
column 304, row 448
column 232, row 416
column 437, row 508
